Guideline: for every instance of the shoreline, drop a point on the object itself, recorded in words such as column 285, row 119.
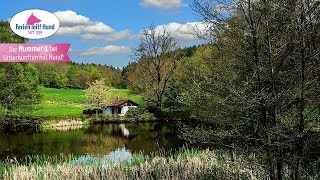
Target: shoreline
column 71, row 122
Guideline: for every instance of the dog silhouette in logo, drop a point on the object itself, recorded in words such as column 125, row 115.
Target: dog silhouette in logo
column 32, row 20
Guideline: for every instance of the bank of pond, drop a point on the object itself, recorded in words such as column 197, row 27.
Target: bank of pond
column 153, row 150
column 45, row 123
column 131, row 150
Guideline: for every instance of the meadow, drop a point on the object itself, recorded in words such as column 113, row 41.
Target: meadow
column 68, row 102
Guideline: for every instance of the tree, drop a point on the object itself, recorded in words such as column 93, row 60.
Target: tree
column 201, row 81
column 7, row 35
column 157, row 62
column 273, row 51
column 19, row 82
column 97, row 93
column 73, row 75
column 19, row 87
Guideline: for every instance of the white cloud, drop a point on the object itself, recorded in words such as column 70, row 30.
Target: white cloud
column 187, row 31
column 91, row 36
column 72, row 23
column 98, row 27
column 118, row 36
column 105, row 51
column 162, row 4
column 69, row 30
column 71, row 18
column 111, row 37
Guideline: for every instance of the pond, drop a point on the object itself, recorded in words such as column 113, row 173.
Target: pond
column 101, row 139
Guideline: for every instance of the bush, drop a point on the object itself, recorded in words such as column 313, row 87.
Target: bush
column 92, row 111
column 140, row 113
column 175, row 114
column 146, row 116
column 105, row 116
column 135, row 112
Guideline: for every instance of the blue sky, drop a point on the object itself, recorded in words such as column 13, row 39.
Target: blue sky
column 104, row 32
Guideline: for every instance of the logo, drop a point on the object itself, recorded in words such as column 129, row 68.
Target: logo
column 34, row 24
column 32, row 20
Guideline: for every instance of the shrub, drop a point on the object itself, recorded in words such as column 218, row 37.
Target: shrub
column 105, row 116
column 175, row 114
column 92, row 111
column 135, row 112
column 146, row 116
column 140, row 113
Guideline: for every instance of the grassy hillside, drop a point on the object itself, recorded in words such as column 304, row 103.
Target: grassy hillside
column 64, row 95
column 62, row 102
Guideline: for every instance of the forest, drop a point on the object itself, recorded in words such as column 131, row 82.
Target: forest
column 255, row 81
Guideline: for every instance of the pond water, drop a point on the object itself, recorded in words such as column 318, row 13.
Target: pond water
column 111, row 140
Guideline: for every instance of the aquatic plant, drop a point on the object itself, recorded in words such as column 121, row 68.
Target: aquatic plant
column 186, row 164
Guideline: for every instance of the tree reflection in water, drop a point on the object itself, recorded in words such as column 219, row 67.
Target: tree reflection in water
column 94, row 140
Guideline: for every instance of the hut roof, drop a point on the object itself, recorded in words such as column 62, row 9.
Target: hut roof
column 122, row 102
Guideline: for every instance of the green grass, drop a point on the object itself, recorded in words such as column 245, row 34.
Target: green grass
column 64, row 95
column 63, row 102
column 55, row 110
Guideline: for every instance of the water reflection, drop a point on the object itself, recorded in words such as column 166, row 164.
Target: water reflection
column 108, row 139
column 117, row 155
column 124, row 130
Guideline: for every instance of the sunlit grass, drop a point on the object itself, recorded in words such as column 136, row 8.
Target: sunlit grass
column 64, row 95
column 60, row 109
column 64, row 102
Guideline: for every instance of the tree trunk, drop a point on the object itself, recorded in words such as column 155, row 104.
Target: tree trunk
column 159, row 106
column 270, row 154
column 301, row 121
column 298, row 173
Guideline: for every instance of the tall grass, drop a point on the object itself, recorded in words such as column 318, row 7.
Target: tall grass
column 187, row 164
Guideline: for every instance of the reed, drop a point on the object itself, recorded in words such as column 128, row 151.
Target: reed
column 186, row 164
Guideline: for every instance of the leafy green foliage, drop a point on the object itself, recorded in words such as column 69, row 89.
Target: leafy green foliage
column 156, row 64
column 261, row 78
column 19, row 82
column 7, row 36
column 98, row 94
column 73, row 75
column 136, row 112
